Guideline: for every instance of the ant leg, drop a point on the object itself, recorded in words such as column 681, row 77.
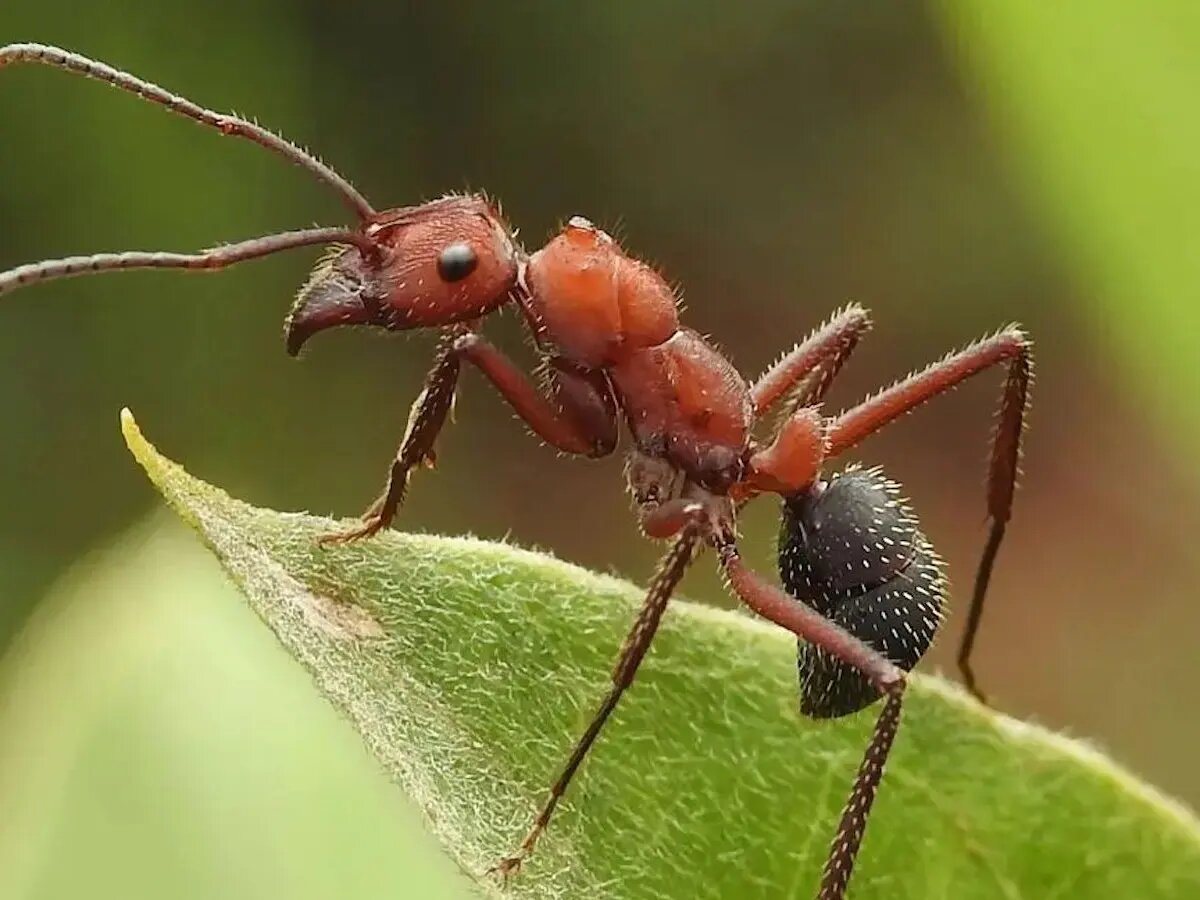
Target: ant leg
column 1009, row 345
column 580, row 419
column 675, row 517
column 637, row 642
column 792, row 461
column 799, row 380
column 843, row 850
column 823, row 352
column 774, row 604
column 425, row 421
column 797, row 617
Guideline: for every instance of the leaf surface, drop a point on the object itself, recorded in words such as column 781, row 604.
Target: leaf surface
column 470, row 667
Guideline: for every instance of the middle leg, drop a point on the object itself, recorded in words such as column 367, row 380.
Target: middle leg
column 804, row 374
column 798, row 382
column 637, row 642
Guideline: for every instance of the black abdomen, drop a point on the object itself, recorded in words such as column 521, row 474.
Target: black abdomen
column 852, row 549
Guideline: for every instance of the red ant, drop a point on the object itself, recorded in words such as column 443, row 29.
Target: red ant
column 864, row 589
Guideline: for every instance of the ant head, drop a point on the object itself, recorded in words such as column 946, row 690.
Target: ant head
column 447, row 261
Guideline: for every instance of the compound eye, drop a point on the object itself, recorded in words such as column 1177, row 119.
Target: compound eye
column 457, row 261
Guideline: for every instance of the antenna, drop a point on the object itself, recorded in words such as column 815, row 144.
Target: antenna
column 206, row 260
column 227, row 124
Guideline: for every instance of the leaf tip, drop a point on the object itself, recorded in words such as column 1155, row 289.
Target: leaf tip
column 129, row 428
column 143, row 451
column 167, row 476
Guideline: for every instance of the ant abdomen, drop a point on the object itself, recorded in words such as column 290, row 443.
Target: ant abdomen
column 852, row 549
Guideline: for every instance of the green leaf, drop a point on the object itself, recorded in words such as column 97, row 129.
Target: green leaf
column 191, row 767
column 470, row 667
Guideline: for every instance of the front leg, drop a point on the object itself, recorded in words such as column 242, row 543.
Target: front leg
column 425, row 421
column 577, row 414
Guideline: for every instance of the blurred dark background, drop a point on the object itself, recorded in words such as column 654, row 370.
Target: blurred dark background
column 776, row 159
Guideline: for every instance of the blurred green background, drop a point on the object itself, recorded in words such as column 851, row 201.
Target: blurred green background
column 952, row 166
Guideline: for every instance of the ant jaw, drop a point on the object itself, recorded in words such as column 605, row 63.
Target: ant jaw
column 334, row 295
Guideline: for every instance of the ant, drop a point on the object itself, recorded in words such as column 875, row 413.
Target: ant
column 864, row 591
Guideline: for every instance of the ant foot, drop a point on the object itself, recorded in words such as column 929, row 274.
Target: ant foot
column 968, row 679
column 980, row 697
column 507, row 867
column 370, row 526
